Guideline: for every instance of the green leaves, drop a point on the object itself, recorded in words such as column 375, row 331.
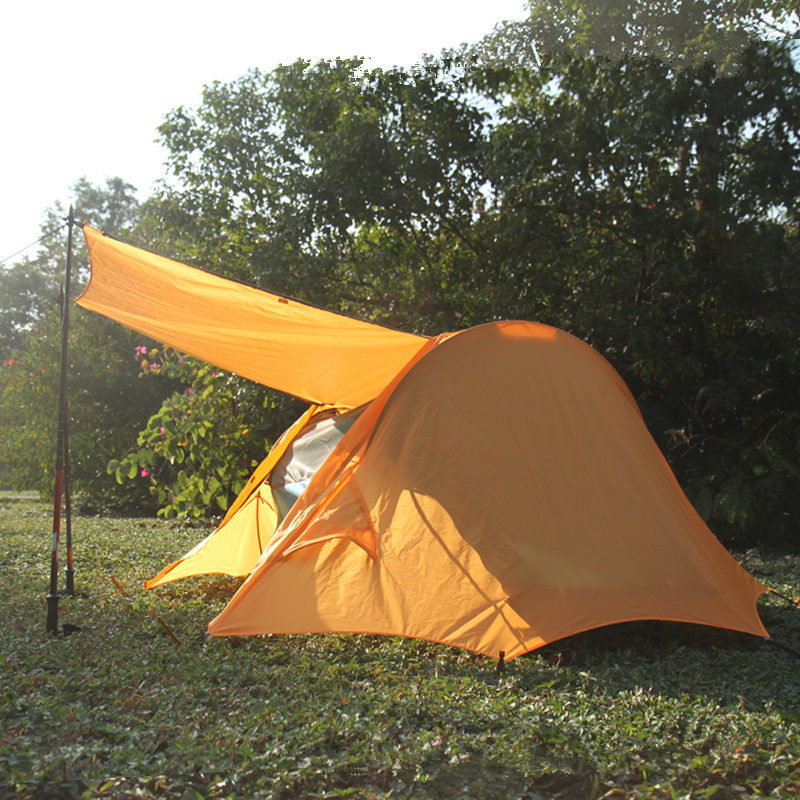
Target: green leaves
column 646, row 204
column 197, row 451
column 646, row 208
column 681, row 35
column 107, row 401
column 334, row 153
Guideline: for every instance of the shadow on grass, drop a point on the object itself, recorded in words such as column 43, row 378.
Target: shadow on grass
column 476, row 777
column 673, row 658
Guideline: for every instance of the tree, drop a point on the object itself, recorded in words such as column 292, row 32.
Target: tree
column 25, row 292
column 284, row 178
column 30, row 288
column 676, row 32
column 350, row 188
column 198, row 450
column 644, row 204
column 650, row 211
column 108, row 402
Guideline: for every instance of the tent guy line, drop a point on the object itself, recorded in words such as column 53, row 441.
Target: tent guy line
column 45, row 235
column 412, row 498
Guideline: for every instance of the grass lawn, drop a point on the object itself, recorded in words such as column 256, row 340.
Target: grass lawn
column 119, row 710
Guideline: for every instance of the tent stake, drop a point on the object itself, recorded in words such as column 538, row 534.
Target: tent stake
column 61, row 449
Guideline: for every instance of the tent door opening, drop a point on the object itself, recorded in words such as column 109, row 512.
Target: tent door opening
column 306, row 454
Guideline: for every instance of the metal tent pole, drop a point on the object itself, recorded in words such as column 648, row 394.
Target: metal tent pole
column 61, row 449
column 69, row 572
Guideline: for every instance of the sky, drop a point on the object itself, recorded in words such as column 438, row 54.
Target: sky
column 84, row 86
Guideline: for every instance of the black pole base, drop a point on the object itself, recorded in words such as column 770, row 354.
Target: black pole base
column 52, row 613
column 70, row 576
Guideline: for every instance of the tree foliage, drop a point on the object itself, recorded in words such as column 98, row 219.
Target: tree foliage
column 106, row 399
column 646, row 208
column 198, row 449
column 652, row 213
column 344, row 187
column 629, row 183
column 330, row 181
column 678, row 33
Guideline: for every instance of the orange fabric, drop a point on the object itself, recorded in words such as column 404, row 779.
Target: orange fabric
column 230, row 550
column 501, row 494
column 307, row 352
column 235, row 549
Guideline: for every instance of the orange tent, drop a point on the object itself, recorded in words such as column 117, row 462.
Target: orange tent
column 500, row 491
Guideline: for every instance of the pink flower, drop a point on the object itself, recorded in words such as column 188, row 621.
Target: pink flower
column 141, row 350
column 145, row 472
column 163, row 432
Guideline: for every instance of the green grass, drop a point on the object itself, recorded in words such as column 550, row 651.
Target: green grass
column 118, row 711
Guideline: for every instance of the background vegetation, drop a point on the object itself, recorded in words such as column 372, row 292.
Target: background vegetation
column 626, row 171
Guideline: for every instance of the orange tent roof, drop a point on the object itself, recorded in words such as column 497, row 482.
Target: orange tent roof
column 503, row 492
column 304, row 351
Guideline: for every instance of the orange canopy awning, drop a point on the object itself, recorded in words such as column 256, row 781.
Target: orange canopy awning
column 317, row 355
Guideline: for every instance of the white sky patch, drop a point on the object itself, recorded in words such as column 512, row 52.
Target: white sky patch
column 83, row 87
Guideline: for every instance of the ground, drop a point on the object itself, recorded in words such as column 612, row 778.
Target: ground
column 121, row 709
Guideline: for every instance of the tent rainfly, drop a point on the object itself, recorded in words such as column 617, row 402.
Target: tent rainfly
column 495, row 489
